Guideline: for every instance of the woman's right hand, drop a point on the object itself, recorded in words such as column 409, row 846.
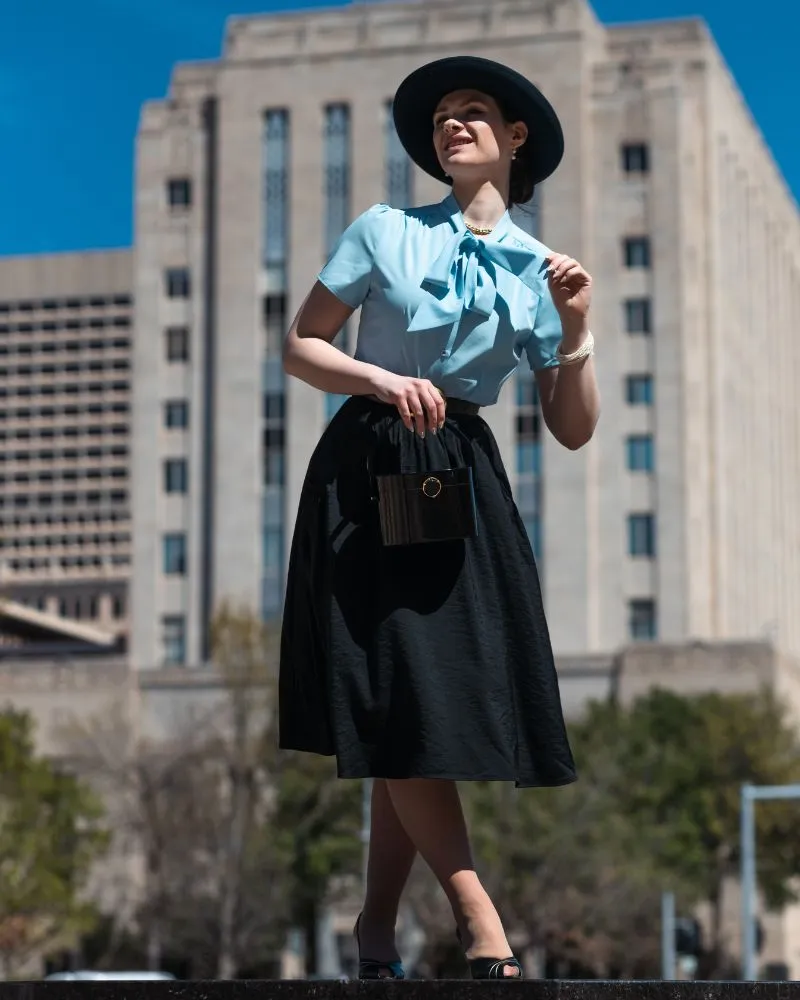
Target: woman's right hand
column 418, row 401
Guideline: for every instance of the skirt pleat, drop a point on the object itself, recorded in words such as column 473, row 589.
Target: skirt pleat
column 426, row 661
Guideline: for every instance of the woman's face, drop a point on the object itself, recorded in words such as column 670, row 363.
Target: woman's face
column 471, row 136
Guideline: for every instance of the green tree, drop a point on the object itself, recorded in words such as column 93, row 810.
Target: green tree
column 317, row 821
column 681, row 762
column 51, row 833
column 574, row 877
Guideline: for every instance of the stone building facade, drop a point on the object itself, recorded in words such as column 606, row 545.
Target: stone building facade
column 678, row 521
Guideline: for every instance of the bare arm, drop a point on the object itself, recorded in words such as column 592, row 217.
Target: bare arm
column 570, row 400
column 569, row 394
column 309, row 354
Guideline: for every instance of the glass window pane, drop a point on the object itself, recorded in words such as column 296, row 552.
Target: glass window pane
column 642, row 619
column 176, row 475
column 635, row 158
column 640, row 453
column 399, row 173
column 179, row 192
column 637, row 251
column 638, row 318
column 639, row 390
column 174, row 554
column 276, row 140
column 177, row 283
column 337, row 172
column 641, row 535
column 173, row 639
column 176, row 414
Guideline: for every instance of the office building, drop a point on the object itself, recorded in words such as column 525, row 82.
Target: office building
column 679, row 520
column 65, row 358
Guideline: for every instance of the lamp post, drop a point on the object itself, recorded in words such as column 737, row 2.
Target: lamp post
column 750, row 794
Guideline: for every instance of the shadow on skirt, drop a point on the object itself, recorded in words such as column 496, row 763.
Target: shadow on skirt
column 423, row 661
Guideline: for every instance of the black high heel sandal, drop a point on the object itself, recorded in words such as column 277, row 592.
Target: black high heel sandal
column 368, row 968
column 492, row 968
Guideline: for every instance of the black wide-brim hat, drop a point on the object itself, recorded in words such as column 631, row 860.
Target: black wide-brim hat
column 419, row 94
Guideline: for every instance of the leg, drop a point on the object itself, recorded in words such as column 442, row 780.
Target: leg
column 432, row 815
column 391, row 855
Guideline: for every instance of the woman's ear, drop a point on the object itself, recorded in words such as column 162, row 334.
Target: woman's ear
column 519, row 134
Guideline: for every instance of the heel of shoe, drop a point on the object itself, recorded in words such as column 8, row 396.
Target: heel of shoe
column 494, row 968
column 369, row 968
column 491, row 968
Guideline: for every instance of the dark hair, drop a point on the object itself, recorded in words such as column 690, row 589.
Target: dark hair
column 521, row 186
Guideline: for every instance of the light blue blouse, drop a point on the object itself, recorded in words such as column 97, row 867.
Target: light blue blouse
column 442, row 304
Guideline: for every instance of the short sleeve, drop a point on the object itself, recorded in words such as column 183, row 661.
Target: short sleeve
column 546, row 336
column 349, row 268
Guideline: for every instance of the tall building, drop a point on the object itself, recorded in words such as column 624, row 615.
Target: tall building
column 65, row 359
column 679, row 520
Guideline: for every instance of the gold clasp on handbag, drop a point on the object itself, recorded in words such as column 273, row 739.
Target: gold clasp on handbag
column 432, row 487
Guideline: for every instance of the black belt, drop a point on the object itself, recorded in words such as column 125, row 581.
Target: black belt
column 452, row 405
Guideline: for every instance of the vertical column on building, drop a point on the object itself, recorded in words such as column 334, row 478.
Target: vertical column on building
column 239, row 345
column 337, row 180
column 274, row 288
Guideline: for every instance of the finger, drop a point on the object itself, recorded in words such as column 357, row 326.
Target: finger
column 441, row 409
column 553, row 260
column 561, row 267
column 428, row 399
column 417, row 413
column 405, row 413
column 571, row 273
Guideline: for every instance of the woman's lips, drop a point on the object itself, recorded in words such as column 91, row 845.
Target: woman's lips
column 455, row 143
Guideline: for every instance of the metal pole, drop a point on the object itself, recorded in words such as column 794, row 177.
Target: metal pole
column 668, row 936
column 748, row 877
column 366, row 812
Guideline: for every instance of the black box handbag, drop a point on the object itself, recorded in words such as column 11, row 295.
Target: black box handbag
column 418, row 507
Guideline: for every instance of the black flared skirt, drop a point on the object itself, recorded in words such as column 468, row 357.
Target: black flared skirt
column 421, row 661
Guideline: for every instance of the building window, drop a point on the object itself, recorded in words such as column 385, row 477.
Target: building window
column 637, row 251
column 529, row 458
column 337, row 172
column 177, row 343
column 179, row 192
column 274, row 441
column 272, row 540
column 118, row 607
column 399, row 174
column 635, row 158
column 639, row 390
column 175, row 554
column 638, row 316
column 337, row 203
column 177, row 284
column 276, row 151
column 274, row 323
column 176, row 475
column 176, row 414
column 640, row 453
column 173, row 639
column 642, row 619
column 641, row 535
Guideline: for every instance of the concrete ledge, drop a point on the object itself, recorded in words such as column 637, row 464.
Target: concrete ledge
column 455, row 989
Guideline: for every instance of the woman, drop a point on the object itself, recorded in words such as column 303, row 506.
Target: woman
column 424, row 664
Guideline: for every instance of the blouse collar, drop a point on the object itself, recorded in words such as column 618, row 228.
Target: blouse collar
column 451, row 209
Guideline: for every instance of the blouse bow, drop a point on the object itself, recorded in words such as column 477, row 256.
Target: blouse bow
column 467, row 271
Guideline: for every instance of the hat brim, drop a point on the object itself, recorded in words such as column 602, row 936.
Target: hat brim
column 419, row 94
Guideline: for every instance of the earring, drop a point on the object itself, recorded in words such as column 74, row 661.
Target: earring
column 514, row 154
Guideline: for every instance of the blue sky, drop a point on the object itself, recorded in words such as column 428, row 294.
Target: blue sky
column 73, row 75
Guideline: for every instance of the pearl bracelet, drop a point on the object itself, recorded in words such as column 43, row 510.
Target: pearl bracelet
column 584, row 351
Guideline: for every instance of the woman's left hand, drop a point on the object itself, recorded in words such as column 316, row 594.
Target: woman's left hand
column 570, row 286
